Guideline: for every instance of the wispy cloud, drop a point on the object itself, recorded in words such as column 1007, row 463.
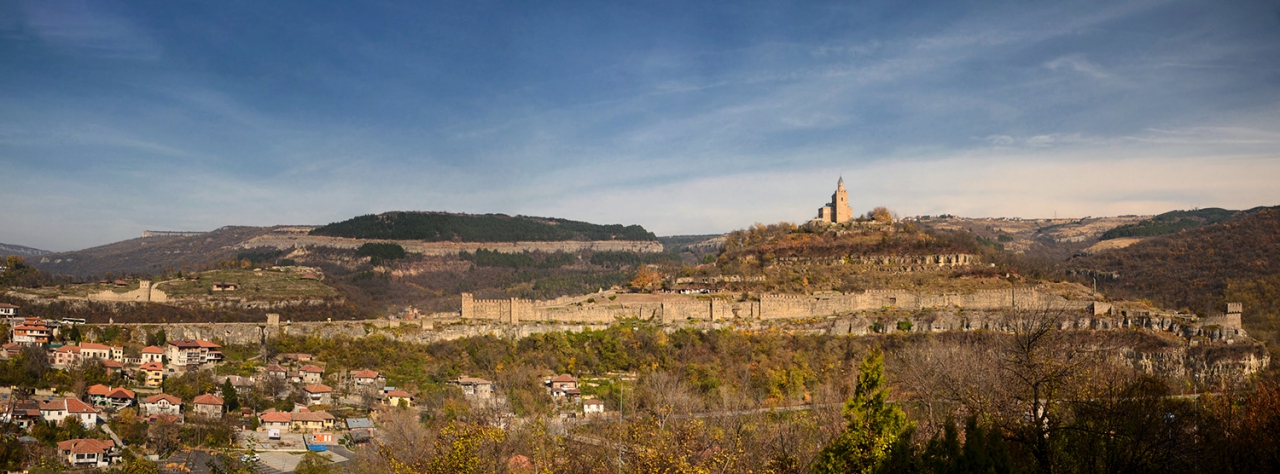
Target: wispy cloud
column 89, row 28
column 1078, row 64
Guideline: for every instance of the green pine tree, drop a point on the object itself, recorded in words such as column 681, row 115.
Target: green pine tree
column 229, row 396
column 876, row 428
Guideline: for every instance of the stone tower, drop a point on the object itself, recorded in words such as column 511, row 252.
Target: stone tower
column 838, row 211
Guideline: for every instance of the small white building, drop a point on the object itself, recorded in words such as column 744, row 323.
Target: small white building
column 59, row 409
column 88, row 452
column 162, row 404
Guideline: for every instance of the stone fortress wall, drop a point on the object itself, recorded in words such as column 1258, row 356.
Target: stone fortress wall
column 145, row 293
column 860, row 313
column 287, row 241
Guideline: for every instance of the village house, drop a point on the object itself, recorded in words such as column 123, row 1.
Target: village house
column 187, row 354
column 9, row 311
column 310, row 374
column 59, row 409
column 318, row 394
column 113, row 367
column 152, row 354
column 11, row 350
column 104, row 396
column 593, row 407
column 296, row 357
column 236, row 381
column 304, row 421
column 88, row 452
column 276, row 371
column 162, row 404
column 208, row 405
column 474, row 387
column 275, row 420
column 23, row 414
column 31, row 332
column 397, row 398
column 564, row 387
column 65, row 356
column 91, row 350
column 367, row 378
column 152, row 374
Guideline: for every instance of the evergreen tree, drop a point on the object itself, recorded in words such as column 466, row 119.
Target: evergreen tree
column 229, row 396
column 875, row 434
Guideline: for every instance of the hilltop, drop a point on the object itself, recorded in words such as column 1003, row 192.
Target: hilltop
column 447, row 227
column 21, row 251
column 154, row 253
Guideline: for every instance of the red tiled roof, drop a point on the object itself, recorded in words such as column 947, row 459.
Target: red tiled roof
column 208, row 344
column 275, row 368
column 152, row 350
column 121, row 392
column 86, row 446
column 276, row 417
column 312, row 416
column 94, row 346
column 153, row 365
column 312, row 369
column 99, row 389
column 365, row 374
column 398, row 394
column 318, row 388
column 71, row 405
column 465, row 380
column 564, row 378
column 9, row 306
column 111, row 364
column 164, row 396
column 207, row 399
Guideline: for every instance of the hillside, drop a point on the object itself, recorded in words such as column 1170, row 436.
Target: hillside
column 153, row 254
column 445, row 227
column 1052, row 239
column 1201, row 268
column 1170, row 222
column 10, row 249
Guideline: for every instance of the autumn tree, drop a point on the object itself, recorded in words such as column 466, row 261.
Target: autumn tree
column 646, row 278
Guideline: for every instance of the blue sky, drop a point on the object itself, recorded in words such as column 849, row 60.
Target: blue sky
column 685, row 117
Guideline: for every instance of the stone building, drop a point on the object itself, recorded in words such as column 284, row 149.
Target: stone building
column 838, row 210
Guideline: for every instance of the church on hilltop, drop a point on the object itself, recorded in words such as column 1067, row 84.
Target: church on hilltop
column 838, row 211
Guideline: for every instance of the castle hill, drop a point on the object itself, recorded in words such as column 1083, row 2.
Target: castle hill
column 259, row 343
column 505, row 237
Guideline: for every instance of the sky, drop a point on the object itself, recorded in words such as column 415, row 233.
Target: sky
column 684, row 117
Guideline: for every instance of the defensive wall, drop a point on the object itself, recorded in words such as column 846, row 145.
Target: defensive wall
column 146, row 292
column 679, row 307
column 862, row 313
column 292, row 241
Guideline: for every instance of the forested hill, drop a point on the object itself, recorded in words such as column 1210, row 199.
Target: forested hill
column 1201, row 268
column 1170, row 222
column 445, row 227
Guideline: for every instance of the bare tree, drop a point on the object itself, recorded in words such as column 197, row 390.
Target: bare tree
column 664, row 395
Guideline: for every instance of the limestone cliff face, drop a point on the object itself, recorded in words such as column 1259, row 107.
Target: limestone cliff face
column 288, row 241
